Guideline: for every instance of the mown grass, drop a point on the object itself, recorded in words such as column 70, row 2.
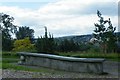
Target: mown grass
column 9, row 60
column 9, row 55
column 109, row 56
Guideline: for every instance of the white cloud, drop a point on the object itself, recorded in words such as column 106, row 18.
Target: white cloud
column 62, row 18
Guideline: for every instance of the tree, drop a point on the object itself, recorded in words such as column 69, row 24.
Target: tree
column 23, row 45
column 7, row 27
column 64, row 46
column 45, row 44
column 68, row 45
column 24, row 32
column 105, row 34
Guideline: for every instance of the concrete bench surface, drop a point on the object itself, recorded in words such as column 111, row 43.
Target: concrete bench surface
column 62, row 57
column 94, row 65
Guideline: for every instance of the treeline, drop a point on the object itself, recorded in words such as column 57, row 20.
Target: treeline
column 48, row 44
column 105, row 40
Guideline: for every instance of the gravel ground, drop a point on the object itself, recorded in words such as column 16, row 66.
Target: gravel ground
column 110, row 67
column 25, row 74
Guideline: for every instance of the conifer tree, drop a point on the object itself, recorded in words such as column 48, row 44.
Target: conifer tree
column 45, row 44
column 104, row 32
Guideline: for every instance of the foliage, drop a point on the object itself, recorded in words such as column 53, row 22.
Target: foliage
column 45, row 44
column 118, row 42
column 72, row 46
column 5, row 43
column 23, row 45
column 105, row 34
column 6, row 23
column 24, row 32
column 7, row 27
column 68, row 45
column 84, row 46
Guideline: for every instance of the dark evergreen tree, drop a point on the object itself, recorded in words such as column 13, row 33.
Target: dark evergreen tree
column 45, row 44
column 68, row 46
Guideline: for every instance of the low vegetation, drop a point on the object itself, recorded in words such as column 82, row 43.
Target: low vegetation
column 23, row 45
column 110, row 56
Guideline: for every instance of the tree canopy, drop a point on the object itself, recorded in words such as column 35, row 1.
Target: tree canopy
column 7, row 28
column 24, row 32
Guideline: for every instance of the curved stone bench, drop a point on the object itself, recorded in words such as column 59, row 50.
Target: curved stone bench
column 94, row 65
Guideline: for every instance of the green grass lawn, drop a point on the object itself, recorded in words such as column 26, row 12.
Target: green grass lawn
column 109, row 56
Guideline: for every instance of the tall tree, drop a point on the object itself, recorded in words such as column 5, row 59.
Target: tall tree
column 24, row 32
column 7, row 27
column 104, row 32
column 45, row 44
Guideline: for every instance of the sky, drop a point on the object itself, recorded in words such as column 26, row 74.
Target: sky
column 61, row 17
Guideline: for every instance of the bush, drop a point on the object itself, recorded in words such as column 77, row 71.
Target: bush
column 23, row 45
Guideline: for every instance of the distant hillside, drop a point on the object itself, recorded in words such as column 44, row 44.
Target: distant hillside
column 79, row 38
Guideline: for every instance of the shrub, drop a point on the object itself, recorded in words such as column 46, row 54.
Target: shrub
column 23, row 45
